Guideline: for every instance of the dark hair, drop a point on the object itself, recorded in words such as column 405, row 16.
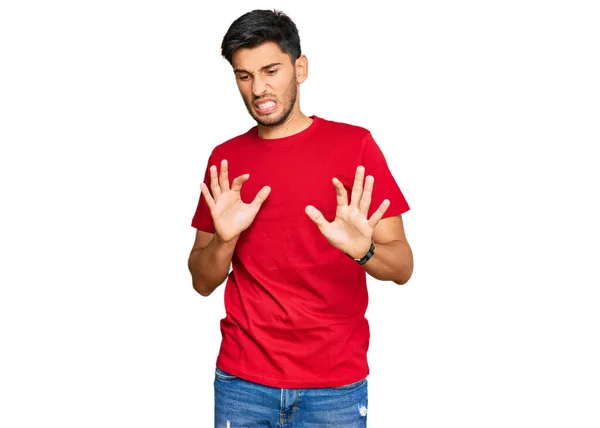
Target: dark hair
column 259, row 26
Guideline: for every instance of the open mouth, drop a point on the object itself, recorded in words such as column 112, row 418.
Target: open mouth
column 265, row 106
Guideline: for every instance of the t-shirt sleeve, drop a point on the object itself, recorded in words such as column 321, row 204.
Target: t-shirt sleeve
column 384, row 186
column 202, row 219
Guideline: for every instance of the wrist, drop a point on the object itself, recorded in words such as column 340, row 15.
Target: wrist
column 364, row 257
column 226, row 242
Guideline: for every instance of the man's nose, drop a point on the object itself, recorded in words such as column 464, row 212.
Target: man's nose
column 258, row 87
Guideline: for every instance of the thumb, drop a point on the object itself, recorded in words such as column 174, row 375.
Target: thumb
column 316, row 216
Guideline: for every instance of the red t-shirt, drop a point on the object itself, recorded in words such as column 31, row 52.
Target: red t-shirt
column 295, row 305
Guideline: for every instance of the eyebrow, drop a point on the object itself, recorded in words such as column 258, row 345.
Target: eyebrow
column 241, row 70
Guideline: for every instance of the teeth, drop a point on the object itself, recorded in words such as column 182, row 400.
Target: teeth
column 268, row 104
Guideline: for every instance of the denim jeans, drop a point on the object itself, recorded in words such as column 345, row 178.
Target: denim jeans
column 243, row 404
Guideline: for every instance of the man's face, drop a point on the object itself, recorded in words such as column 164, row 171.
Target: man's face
column 267, row 82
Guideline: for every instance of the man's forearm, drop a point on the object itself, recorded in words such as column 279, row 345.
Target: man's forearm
column 209, row 266
column 392, row 261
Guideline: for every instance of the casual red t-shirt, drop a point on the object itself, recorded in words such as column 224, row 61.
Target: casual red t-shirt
column 295, row 305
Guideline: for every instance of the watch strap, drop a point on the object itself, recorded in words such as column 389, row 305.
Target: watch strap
column 366, row 257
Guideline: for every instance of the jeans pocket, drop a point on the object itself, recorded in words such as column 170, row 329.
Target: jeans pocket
column 224, row 376
column 353, row 385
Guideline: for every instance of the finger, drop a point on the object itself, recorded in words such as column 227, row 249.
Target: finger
column 316, row 216
column 365, row 200
column 236, row 185
column 207, row 197
column 377, row 215
column 357, row 186
column 214, row 182
column 261, row 196
column 340, row 191
column 224, row 176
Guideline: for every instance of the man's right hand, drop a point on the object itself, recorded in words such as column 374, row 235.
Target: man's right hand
column 230, row 215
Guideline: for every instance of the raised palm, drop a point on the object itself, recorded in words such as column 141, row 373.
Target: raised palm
column 351, row 231
column 231, row 216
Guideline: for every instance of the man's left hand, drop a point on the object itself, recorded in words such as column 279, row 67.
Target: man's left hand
column 351, row 231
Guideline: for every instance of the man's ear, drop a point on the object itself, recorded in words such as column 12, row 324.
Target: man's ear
column 301, row 69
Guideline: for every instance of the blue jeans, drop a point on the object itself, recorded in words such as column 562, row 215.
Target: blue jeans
column 243, row 404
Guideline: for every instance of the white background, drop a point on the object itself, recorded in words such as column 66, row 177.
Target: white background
column 488, row 113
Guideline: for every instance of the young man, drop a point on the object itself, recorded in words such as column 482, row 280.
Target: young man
column 303, row 208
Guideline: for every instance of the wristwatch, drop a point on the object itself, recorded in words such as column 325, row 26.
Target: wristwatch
column 366, row 257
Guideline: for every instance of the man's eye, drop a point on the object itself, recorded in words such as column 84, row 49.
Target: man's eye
column 243, row 77
column 272, row 72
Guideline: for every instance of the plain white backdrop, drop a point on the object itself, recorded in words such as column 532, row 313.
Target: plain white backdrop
column 488, row 114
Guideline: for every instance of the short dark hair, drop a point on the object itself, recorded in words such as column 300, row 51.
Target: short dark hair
column 259, row 26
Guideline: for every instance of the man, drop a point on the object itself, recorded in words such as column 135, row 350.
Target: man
column 288, row 205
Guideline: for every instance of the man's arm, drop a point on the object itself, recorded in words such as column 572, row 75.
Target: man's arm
column 393, row 258
column 352, row 232
column 211, row 254
column 209, row 262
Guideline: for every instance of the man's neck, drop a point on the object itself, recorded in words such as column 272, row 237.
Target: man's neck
column 295, row 123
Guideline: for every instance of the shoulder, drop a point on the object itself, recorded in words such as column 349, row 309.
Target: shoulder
column 345, row 129
column 351, row 137
column 233, row 145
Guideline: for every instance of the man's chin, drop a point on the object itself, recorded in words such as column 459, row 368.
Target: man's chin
column 267, row 121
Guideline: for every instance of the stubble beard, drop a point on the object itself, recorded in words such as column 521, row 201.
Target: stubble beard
column 288, row 101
